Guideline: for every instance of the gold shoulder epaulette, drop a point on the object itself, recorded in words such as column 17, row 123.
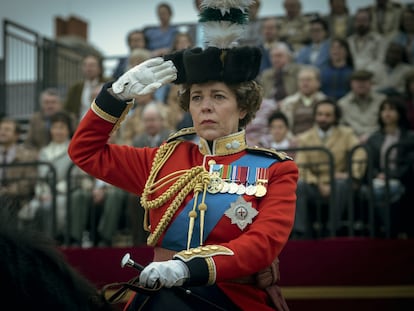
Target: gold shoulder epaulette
column 183, row 132
column 280, row 155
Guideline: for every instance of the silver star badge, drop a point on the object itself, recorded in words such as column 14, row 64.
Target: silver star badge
column 241, row 213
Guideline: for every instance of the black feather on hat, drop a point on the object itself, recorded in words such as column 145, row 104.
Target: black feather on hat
column 223, row 22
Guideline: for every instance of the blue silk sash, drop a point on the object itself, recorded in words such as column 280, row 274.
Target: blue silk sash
column 176, row 235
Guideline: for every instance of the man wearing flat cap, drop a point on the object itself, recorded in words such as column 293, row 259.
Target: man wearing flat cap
column 360, row 106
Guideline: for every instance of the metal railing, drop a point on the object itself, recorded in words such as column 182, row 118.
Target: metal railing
column 30, row 64
column 74, row 175
column 31, row 180
column 331, row 172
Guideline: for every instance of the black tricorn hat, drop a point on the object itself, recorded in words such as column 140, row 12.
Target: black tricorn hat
column 232, row 65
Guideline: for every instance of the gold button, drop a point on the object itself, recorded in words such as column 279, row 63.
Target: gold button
column 197, row 250
column 211, row 162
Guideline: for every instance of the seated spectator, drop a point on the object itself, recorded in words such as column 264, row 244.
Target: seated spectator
column 41, row 206
column 386, row 17
column 79, row 94
column 132, row 127
column 39, row 124
column 393, row 129
column 336, row 73
column 409, row 98
column 405, row 34
column 280, row 80
column 137, row 56
column 112, row 201
column 258, row 127
column 294, row 26
column 299, row 106
column 394, row 69
column 135, row 40
column 314, row 171
column 116, row 201
column 182, row 41
column 16, row 181
column 269, row 34
column 367, row 47
column 177, row 116
column 36, row 276
column 154, row 134
column 316, row 52
column 339, row 19
column 360, row 106
column 161, row 37
column 251, row 35
column 279, row 136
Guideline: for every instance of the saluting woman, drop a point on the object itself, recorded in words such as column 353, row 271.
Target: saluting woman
column 219, row 212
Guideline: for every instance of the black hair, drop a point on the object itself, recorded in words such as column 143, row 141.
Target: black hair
column 63, row 116
column 344, row 43
column 17, row 126
column 322, row 22
column 99, row 58
column 134, row 31
column 278, row 115
column 165, row 5
column 397, row 104
column 330, row 101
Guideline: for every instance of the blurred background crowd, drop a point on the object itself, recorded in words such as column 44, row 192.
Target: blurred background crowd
column 338, row 98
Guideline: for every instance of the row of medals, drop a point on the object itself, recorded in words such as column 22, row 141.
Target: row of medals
column 218, row 185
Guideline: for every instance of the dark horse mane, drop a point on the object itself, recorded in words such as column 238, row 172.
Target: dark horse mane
column 34, row 274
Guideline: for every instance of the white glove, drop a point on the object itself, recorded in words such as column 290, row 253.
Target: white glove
column 144, row 78
column 167, row 273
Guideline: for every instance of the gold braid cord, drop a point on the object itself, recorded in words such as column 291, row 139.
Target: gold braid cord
column 183, row 182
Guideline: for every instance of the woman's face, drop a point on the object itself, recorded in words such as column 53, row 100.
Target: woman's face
column 214, row 109
column 337, row 51
column 278, row 130
column 389, row 115
column 59, row 132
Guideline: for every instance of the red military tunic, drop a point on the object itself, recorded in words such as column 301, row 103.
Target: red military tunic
column 252, row 246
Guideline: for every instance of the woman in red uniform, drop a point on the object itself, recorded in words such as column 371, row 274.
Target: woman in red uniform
column 218, row 211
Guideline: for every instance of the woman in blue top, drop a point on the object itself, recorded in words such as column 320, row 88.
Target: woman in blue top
column 336, row 73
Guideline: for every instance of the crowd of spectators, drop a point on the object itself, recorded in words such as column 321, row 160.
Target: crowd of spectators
column 357, row 69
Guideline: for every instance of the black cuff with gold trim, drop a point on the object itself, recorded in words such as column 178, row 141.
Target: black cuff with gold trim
column 109, row 104
column 199, row 272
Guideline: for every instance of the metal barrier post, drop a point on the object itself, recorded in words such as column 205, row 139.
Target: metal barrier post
column 330, row 163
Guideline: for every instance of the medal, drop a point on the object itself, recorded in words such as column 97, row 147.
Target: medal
column 241, row 189
column 261, row 181
column 250, row 189
column 216, row 183
column 260, row 190
column 225, row 187
column 233, row 188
